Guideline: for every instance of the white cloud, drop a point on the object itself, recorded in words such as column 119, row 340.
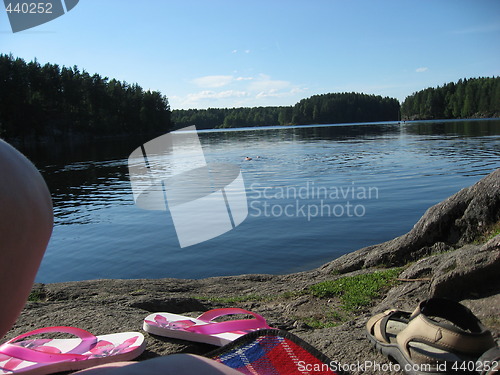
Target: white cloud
column 213, row 81
column 241, row 51
column 422, row 69
column 297, row 90
column 264, row 83
column 234, row 91
column 217, row 81
column 243, row 78
column 196, row 99
column 268, row 94
column 276, row 93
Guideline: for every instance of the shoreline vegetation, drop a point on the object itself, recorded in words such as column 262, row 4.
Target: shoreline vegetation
column 467, row 99
column 50, row 104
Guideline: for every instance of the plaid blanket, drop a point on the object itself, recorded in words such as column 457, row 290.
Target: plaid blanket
column 273, row 352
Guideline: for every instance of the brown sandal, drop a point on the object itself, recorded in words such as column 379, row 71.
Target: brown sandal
column 436, row 338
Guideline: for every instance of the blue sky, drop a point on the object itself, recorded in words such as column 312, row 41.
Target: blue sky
column 232, row 53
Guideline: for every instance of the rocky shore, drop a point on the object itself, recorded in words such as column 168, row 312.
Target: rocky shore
column 452, row 251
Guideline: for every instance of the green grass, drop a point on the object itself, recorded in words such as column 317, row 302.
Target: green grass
column 291, row 294
column 492, row 232
column 37, row 295
column 326, row 319
column 319, row 323
column 354, row 293
column 357, row 291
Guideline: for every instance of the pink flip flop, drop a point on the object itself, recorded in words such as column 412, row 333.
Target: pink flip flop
column 203, row 328
column 43, row 356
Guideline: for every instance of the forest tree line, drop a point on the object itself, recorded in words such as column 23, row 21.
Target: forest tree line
column 318, row 109
column 51, row 102
column 475, row 97
column 47, row 101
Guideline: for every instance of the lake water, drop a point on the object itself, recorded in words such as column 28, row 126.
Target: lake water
column 314, row 193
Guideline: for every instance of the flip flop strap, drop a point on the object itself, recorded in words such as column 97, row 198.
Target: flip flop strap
column 38, row 356
column 258, row 322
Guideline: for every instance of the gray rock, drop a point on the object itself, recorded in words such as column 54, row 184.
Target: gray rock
column 457, row 221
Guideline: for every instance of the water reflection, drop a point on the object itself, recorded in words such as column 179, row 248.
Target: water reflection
column 285, row 154
column 468, row 128
column 299, row 133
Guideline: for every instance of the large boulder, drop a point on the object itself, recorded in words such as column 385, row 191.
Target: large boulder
column 456, row 221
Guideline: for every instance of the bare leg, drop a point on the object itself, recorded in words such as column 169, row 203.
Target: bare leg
column 25, row 227
column 176, row 364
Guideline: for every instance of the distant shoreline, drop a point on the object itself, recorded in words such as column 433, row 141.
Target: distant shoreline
column 274, row 127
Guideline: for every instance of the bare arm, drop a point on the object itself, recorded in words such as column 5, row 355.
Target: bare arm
column 25, row 227
column 176, row 364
